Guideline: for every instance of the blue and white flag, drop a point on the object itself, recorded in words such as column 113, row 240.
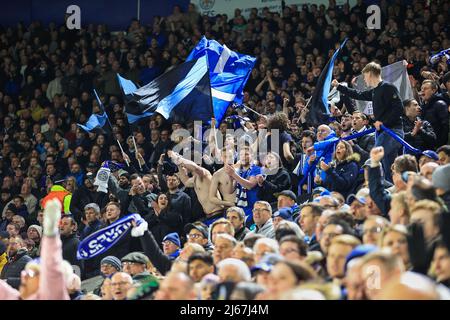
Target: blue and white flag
column 182, row 93
column 95, row 121
column 103, row 239
column 229, row 72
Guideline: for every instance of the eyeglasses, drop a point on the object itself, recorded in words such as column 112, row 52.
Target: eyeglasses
column 373, row 230
column 259, row 210
column 29, row 273
column 194, row 236
column 118, row 284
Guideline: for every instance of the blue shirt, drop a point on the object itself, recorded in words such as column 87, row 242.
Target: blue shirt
column 252, row 195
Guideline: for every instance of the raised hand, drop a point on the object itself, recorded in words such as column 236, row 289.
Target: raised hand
column 376, row 154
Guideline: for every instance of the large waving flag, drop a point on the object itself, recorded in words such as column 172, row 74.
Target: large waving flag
column 229, row 72
column 319, row 112
column 182, row 93
column 95, row 121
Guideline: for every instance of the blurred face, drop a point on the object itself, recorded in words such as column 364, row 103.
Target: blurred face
column 322, row 133
column 425, row 218
column 358, row 210
column 133, row 268
column 195, row 236
column 307, row 221
column 281, row 279
column 398, row 244
column 123, row 181
column 427, row 170
column 223, row 248
column 245, row 157
column 413, row 110
column 441, row 261
column 120, row 284
column 112, row 213
column 397, row 212
column 33, row 234
column 106, row 290
column 172, row 288
column 290, row 251
column 443, row 158
column 12, row 231
column 371, row 232
column 260, row 250
column 284, row 202
column 172, row 183
column 375, row 276
column 358, row 121
column 14, row 245
column 106, row 269
column 354, row 283
column 91, row 215
column 218, row 229
column 169, row 247
column 198, row 269
column 426, row 91
column 29, row 283
column 235, row 220
column 329, row 232
column 138, row 185
column 337, row 253
column 340, row 151
column 66, row 227
column 261, row 214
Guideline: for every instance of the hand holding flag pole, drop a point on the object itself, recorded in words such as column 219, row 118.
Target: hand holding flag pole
column 136, row 152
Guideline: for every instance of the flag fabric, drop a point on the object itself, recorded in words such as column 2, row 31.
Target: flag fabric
column 396, row 74
column 229, row 72
column 95, row 121
column 182, row 94
column 319, row 112
column 103, row 239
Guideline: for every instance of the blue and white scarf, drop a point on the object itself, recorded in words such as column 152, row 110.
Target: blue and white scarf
column 105, row 238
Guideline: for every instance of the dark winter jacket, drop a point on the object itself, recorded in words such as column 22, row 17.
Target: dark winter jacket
column 424, row 139
column 274, row 183
column 344, row 177
column 435, row 111
column 363, row 145
column 240, row 235
column 11, row 271
column 69, row 247
column 378, row 193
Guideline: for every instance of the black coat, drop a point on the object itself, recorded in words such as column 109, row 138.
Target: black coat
column 344, row 177
column 11, row 271
column 274, row 183
column 363, row 145
column 435, row 112
column 81, row 197
column 70, row 247
column 424, row 139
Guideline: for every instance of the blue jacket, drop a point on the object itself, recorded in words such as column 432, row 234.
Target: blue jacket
column 344, row 177
column 324, row 151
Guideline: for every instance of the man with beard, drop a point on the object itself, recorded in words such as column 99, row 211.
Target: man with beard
column 17, row 259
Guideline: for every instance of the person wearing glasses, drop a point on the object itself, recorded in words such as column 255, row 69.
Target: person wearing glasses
column 121, row 282
column 372, row 228
column 262, row 215
column 135, row 264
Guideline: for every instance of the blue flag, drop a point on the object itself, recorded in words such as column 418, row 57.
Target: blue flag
column 182, row 94
column 95, row 121
column 229, row 72
column 319, row 111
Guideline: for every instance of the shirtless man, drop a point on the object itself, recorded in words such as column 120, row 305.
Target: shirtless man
column 201, row 182
column 223, row 183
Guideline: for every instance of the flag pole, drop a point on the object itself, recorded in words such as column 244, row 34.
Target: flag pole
column 136, row 152
column 100, row 104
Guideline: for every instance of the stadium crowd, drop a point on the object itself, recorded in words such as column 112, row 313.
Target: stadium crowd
column 256, row 226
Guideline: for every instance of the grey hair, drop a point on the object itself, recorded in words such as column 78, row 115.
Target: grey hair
column 92, row 205
column 292, row 226
column 271, row 243
column 266, row 204
column 238, row 210
column 242, row 269
column 227, row 237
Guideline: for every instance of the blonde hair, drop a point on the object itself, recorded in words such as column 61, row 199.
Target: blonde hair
column 373, row 68
column 401, row 198
column 225, row 222
column 346, row 239
column 432, row 207
column 399, row 228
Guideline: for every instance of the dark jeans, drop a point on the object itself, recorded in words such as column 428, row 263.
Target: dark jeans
column 391, row 150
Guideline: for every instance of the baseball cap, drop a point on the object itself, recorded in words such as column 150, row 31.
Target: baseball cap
column 197, row 226
column 431, row 154
column 360, row 196
column 267, row 262
column 284, row 213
